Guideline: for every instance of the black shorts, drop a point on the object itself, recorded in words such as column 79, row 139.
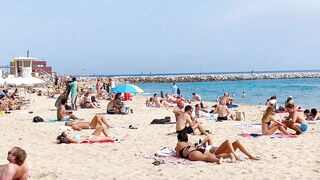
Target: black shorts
column 110, row 112
column 187, row 130
column 222, row 118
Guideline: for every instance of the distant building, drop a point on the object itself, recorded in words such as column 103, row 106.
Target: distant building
column 26, row 66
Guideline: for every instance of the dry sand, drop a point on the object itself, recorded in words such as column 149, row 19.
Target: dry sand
column 281, row 158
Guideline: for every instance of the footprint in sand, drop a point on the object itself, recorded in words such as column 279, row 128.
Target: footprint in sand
column 47, row 175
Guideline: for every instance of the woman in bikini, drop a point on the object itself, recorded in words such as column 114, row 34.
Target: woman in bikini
column 185, row 149
column 95, row 137
column 267, row 127
column 225, row 150
column 96, row 121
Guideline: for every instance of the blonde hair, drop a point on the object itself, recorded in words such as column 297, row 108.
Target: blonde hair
column 270, row 110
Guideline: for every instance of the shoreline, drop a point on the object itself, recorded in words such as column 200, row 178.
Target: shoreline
column 213, row 77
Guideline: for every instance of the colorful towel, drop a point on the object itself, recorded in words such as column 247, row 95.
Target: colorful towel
column 90, row 142
column 277, row 135
column 56, row 120
column 167, row 155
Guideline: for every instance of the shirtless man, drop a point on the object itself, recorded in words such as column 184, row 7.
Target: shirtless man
column 185, row 124
column 95, row 122
column 115, row 105
column 178, row 110
column 295, row 120
column 16, row 168
column 223, row 112
column 63, row 114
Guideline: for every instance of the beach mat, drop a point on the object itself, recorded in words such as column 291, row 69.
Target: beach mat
column 90, row 142
column 56, row 120
column 258, row 135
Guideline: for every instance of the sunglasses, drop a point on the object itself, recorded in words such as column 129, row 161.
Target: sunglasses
column 9, row 152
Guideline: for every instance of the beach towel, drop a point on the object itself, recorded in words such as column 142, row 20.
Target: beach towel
column 56, row 120
column 277, row 135
column 90, row 142
column 250, row 125
column 166, row 155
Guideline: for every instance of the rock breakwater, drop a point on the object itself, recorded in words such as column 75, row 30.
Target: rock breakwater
column 213, row 77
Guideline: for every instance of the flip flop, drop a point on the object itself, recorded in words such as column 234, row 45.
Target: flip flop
column 132, row 127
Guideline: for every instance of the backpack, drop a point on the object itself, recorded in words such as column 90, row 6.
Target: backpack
column 37, row 119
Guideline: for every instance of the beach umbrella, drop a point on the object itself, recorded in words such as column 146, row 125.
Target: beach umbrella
column 126, row 88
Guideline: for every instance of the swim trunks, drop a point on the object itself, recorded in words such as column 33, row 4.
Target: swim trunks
column 187, row 130
column 304, row 127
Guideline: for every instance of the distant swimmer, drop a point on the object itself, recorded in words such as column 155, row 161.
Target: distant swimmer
column 243, row 94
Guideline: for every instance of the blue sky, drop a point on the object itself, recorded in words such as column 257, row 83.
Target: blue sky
column 143, row 36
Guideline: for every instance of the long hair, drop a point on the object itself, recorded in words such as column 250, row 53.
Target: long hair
column 270, row 110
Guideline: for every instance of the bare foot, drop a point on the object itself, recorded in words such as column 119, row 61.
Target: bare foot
column 255, row 158
column 220, row 160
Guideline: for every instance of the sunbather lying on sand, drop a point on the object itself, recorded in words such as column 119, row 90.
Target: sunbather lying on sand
column 185, row 149
column 95, row 122
column 95, row 137
column 227, row 149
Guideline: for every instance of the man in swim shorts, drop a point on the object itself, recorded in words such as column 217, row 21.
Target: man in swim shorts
column 186, row 124
column 295, row 120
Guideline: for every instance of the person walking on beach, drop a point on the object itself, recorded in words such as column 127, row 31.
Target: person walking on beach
column 174, row 89
column 295, row 120
column 16, row 168
column 74, row 93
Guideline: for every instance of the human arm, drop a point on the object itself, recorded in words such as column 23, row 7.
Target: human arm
column 276, row 121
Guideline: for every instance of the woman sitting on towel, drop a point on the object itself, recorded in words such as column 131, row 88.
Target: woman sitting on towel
column 185, row 149
column 95, row 137
column 267, row 127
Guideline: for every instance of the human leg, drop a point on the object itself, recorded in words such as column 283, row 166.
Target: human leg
column 272, row 129
column 238, row 145
column 99, row 130
column 201, row 128
column 207, row 157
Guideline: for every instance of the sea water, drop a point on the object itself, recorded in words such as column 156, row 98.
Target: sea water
column 306, row 92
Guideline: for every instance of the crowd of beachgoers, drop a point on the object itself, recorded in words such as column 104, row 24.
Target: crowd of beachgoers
column 71, row 94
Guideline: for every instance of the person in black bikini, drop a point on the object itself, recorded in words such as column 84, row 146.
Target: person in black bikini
column 267, row 127
column 227, row 149
column 185, row 149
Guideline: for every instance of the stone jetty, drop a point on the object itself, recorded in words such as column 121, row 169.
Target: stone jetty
column 214, row 77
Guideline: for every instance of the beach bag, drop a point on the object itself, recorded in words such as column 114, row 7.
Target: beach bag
column 240, row 116
column 37, row 119
column 161, row 121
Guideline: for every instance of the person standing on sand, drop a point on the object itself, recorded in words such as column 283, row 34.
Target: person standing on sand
column 174, row 89
column 74, row 93
column 16, row 168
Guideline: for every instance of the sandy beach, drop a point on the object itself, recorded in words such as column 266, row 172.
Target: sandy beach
column 281, row 158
